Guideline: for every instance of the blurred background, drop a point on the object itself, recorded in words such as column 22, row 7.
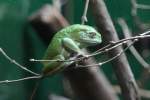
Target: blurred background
column 21, row 42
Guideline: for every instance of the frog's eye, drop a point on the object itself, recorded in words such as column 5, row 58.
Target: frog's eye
column 92, row 34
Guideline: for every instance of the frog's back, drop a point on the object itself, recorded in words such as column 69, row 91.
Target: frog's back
column 55, row 46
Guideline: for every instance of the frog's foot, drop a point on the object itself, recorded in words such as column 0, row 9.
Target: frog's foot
column 82, row 57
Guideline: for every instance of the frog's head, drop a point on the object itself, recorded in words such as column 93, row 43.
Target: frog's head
column 87, row 35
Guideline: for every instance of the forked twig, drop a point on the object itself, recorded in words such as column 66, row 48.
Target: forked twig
column 16, row 63
column 84, row 18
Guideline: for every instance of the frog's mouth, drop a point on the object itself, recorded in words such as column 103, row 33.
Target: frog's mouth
column 92, row 42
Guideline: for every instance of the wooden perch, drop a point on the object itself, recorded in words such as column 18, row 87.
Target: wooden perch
column 47, row 21
column 87, row 83
column 121, row 67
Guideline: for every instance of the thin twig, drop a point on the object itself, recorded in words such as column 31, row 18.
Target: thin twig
column 21, row 79
column 16, row 63
column 111, row 59
column 141, row 6
column 48, row 60
column 107, row 49
column 127, row 34
column 34, row 90
column 145, row 33
column 84, row 18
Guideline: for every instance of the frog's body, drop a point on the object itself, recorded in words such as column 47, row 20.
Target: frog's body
column 67, row 41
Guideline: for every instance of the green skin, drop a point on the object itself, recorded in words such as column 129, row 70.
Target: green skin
column 68, row 41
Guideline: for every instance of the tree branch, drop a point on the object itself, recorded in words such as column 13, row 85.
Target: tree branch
column 121, row 67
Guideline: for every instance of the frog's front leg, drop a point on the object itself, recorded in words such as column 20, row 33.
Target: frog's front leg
column 71, row 46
